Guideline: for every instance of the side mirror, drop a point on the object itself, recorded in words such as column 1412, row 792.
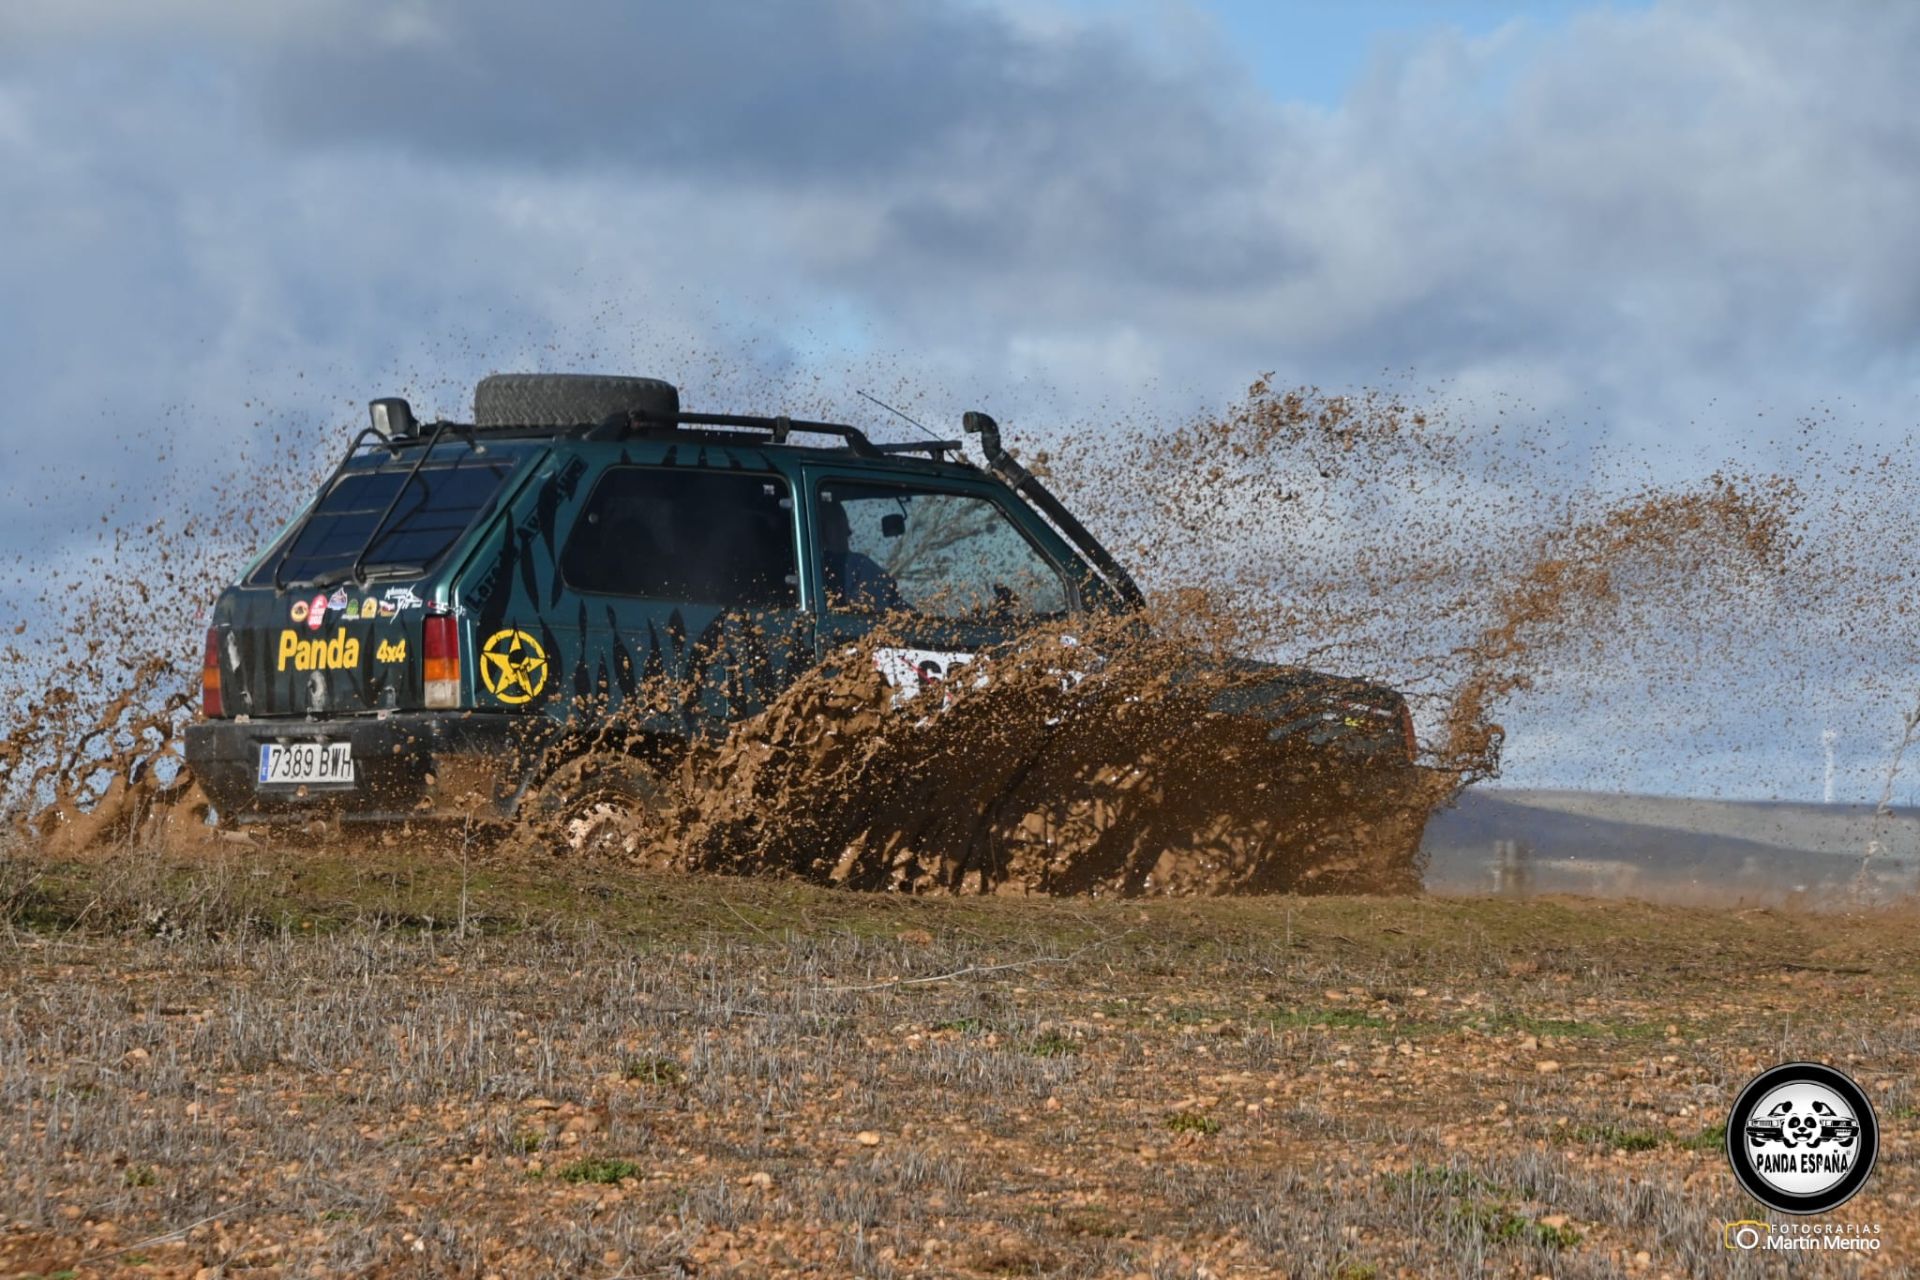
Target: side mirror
column 893, row 526
column 392, row 417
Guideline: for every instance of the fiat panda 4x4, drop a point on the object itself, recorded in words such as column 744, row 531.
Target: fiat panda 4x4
column 461, row 602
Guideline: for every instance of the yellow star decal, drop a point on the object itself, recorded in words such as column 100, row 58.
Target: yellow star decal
column 513, row 666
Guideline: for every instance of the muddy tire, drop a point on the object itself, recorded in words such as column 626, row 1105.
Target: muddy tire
column 599, row 806
column 568, row 399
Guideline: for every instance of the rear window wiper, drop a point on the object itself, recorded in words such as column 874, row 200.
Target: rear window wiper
column 321, row 581
column 392, row 571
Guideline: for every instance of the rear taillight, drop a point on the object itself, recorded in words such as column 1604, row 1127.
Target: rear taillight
column 210, row 702
column 441, row 647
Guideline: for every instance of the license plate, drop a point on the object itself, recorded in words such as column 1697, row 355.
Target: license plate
column 293, row 764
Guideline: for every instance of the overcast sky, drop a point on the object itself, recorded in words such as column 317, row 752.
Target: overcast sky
column 1655, row 221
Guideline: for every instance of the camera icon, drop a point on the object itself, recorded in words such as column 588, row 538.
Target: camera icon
column 1744, row 1235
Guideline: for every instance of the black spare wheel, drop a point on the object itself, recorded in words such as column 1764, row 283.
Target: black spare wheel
column 568, row 399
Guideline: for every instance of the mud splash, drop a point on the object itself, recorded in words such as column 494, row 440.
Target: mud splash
column 1087, row 760
column 108, row 774
column 100, row 672
column 1584, row 576
column 1466, row 563
column 1365, row 536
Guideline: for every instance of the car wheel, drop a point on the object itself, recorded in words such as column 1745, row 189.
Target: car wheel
column 594, row 806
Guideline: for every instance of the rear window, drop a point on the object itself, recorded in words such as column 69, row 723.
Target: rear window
column 696, row 537
column 440, row 503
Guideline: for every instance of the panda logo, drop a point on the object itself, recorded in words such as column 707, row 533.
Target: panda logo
column 1802, row 1138
column 1810, row 1124
column 1800, row 1126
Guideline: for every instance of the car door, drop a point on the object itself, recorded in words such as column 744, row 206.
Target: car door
column 946, row 568
column 684, row 580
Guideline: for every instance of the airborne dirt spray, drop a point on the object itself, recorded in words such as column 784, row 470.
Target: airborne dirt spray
column 1469, row 565
column 100, row 668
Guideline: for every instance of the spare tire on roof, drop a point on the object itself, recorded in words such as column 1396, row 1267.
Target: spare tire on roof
column 568, row 399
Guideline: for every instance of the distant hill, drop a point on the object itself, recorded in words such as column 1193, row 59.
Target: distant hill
column 1670, row 848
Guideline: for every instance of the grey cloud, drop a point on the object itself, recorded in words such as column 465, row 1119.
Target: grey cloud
column 826, row 93
column 1694, row 185
column 964, row 143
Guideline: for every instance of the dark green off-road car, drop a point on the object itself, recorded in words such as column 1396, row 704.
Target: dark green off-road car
column 462, row 605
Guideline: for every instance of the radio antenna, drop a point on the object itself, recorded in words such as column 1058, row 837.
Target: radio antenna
column 896, row 413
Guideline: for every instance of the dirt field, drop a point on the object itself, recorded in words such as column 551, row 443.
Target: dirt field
column 358, row 1063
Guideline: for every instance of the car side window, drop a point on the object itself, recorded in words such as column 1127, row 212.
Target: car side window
column 957, row 556
column 695, row 537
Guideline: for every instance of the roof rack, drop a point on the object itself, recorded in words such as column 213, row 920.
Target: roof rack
column 935, row 449
column 778, row 429
column 395, row 426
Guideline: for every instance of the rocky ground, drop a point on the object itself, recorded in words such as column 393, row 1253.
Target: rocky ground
column 366, row 1063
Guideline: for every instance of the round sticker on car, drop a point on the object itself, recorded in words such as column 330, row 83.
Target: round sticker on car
column 1802, row 1138
column 513, row 666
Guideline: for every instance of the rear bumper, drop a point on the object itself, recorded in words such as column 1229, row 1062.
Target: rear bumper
column 407, row 766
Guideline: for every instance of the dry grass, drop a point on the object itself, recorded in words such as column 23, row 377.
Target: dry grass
column 359, row 1064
